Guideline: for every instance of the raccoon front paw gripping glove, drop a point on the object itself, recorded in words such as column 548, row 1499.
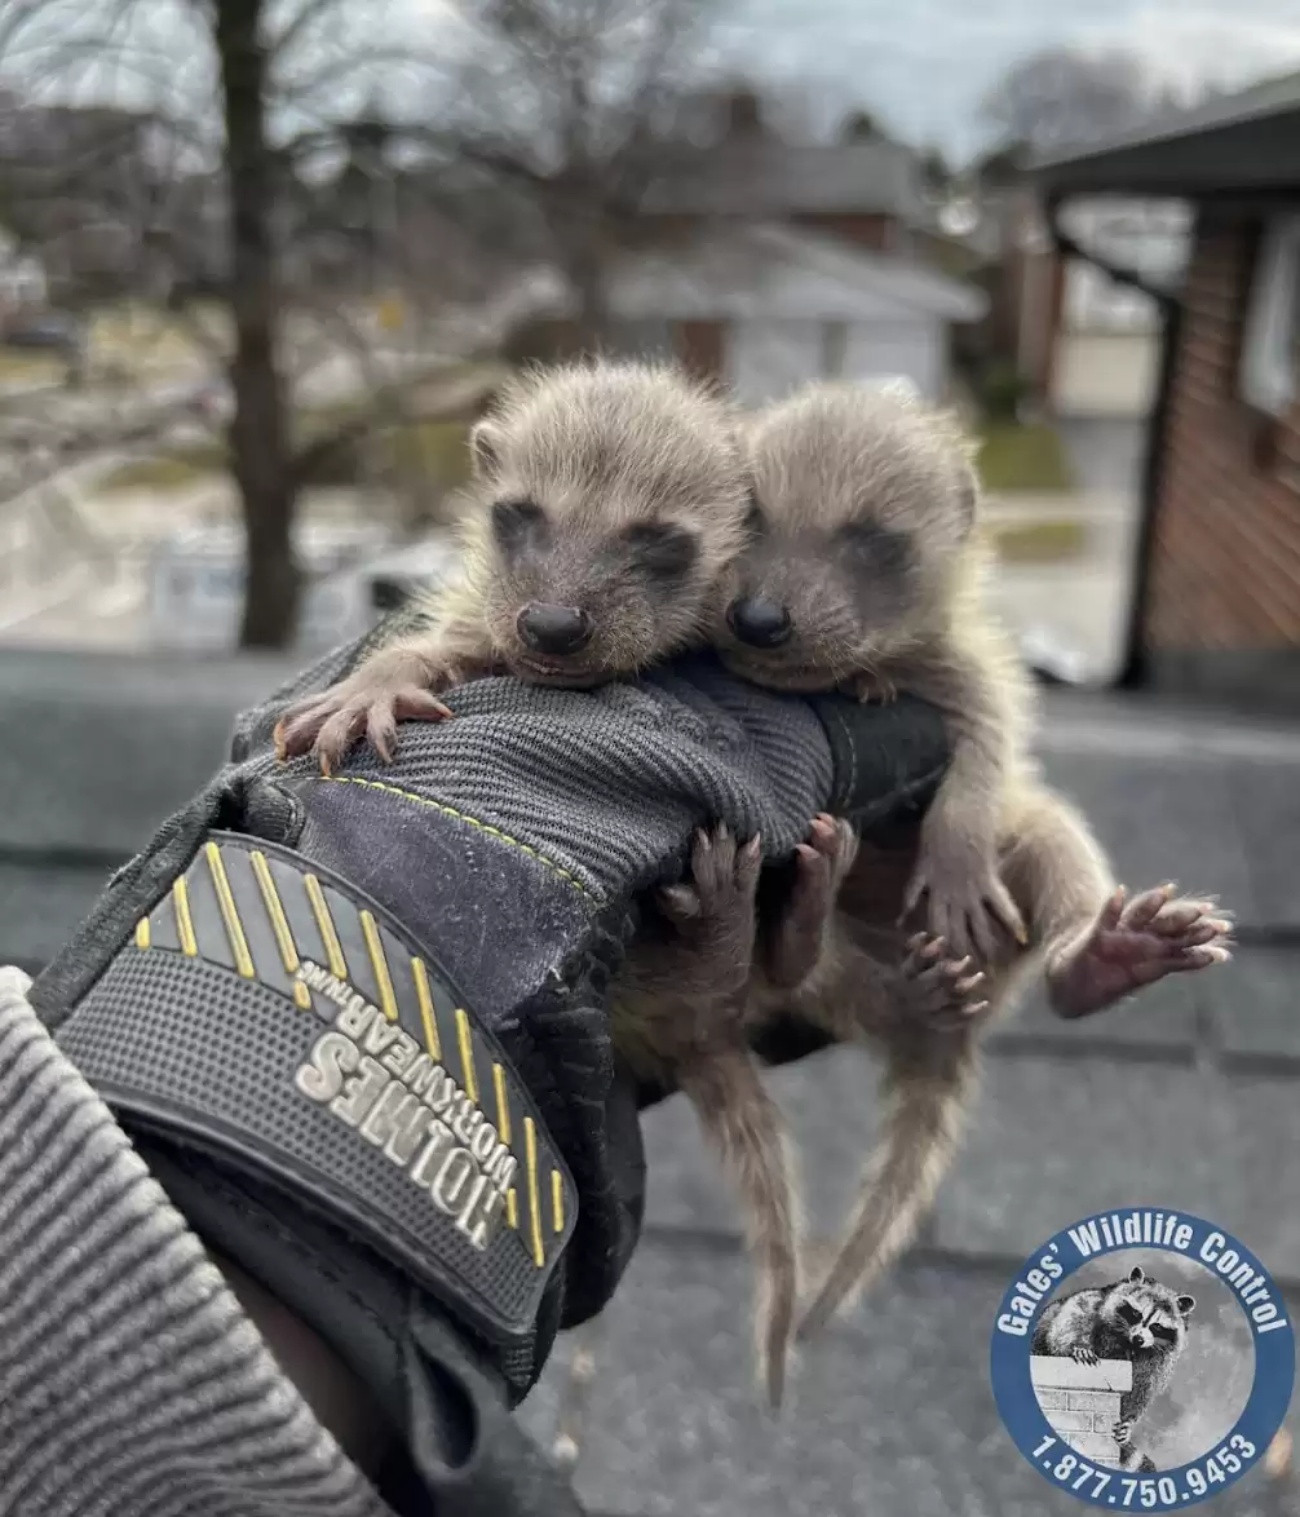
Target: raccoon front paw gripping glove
column 355, row 1024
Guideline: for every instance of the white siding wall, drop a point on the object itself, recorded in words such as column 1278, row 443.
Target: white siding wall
column 768, row 359
column 914, row 350
column 1108, row 374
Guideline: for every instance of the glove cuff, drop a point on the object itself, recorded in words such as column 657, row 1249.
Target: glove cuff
column 281, row 1029
column 888, row 759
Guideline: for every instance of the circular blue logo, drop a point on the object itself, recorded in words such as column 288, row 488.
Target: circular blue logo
column 1143, row 1359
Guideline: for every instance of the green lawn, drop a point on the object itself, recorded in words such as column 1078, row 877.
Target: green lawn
column 434, row 450
column 1038, row 542
column 169, row 471
column 1022, row 457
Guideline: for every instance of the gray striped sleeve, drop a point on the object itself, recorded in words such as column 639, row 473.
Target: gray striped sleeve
column 131, row 1382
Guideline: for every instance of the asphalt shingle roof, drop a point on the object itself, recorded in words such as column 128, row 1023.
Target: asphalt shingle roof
column 764, row 176
column 1243, row 141
column 725, row 271
column 1271, row 97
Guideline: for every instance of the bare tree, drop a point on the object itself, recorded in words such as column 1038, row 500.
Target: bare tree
column 259, row 440
column 576, row 104
column 1064, row 98
column 229, row 109
column 264, row 174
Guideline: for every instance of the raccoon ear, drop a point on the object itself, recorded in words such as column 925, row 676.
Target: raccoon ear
column 485, row 448
column 1137, row 1273
column 1186, row 1303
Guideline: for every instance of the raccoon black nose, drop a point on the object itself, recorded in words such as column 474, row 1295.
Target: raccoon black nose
column 554, row 629
column 758, row 622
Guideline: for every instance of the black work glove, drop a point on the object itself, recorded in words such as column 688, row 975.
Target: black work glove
column 356, row 1026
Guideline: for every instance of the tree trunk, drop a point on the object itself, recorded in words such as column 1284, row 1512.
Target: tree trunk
column 587, row 274
column 580, row 238
column 259, row 441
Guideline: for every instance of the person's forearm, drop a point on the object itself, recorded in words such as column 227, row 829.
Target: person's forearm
column 128, row 1372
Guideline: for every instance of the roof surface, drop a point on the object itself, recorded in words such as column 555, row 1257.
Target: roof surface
column 763, row 176
column 1242, row 141
column 1187, row 1097
column 780, row 271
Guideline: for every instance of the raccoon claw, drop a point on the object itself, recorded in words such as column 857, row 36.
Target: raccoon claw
column 328, row 724
column 871, row 687
column 820, row 866
column 941, row 989
column 679, row 903
column 833, row 840
column 714, row 908
column 720, row 870
column 1135, row 943
column 1083, row 1356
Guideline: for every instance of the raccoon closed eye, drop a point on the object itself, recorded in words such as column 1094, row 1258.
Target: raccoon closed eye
column 664, row 551
column 513, row 521
column 1129, row 1314
column 876, row 548
column 1166, row 1333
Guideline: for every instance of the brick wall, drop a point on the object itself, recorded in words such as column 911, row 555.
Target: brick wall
column 876, row 232
column 1225, row 568
column 700, row 347
column 1082, row 1401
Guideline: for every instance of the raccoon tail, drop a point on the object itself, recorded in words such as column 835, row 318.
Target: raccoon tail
column 926, row 1103
column 743, row 1123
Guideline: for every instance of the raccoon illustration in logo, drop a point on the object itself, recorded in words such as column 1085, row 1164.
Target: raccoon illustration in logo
column 1137, row 1319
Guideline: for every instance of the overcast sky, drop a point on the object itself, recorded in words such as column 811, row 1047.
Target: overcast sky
column 924, row 65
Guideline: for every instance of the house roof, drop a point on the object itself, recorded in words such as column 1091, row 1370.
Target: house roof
column 725, row 272
column 1247, row 142
column 763, row 176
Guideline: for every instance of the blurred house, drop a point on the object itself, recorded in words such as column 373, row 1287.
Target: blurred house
column 765, row 262
column 23, row 285
column 766, row 307
column 866, row 189
column 1086, row 345
column 1217, row 600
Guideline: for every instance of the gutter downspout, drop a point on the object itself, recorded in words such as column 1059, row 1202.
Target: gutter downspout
column 1133, row 671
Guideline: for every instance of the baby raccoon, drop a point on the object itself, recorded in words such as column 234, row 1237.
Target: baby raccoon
column 864, row 572
column 607, row 499
column 1136, row 1319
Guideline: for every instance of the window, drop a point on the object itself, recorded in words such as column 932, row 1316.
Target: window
column 1270, row 351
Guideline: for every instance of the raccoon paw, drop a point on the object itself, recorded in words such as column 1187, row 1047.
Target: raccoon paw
column 1135, row 943
column 329, row 723
column 966, row 902
column 713, row 911
column 941, row 990
column 1083, row 1356
column 1122, row 1432
column 723, row 875
column 829, row 852
column 820, row 866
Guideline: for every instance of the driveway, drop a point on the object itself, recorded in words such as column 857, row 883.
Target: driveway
column 1106, row 454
